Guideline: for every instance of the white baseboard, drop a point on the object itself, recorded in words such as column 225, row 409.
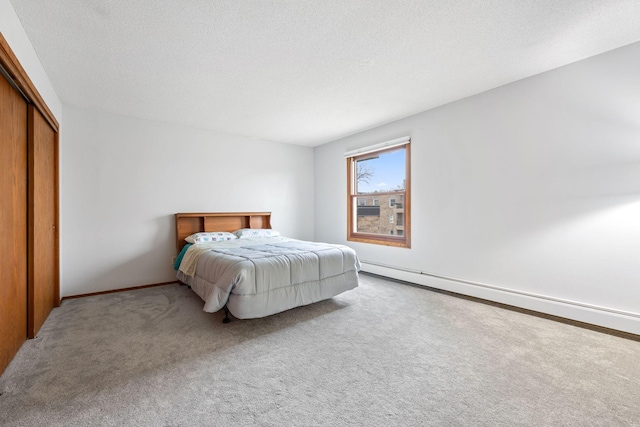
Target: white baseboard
column 573, row 310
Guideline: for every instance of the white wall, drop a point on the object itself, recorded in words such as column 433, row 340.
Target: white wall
column 122, row 179
column 15, row 35
column 532, row 188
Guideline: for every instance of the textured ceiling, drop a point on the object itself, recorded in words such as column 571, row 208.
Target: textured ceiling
column 306, row 71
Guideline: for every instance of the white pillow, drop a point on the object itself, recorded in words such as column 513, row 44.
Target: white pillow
column 247, row 233
column 210, row 236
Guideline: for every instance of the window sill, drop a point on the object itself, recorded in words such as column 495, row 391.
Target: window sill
column 376, row 240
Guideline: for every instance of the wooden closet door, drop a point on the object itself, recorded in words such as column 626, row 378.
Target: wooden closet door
column 43, row 220
column 13, row 222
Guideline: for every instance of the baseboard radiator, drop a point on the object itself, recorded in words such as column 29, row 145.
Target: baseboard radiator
column 573, row 310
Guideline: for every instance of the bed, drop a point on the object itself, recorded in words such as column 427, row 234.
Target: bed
column 238, row 263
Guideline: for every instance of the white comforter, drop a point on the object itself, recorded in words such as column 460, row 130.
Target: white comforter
column 259, row 277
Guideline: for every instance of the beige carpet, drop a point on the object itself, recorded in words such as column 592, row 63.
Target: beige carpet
column 384, row 354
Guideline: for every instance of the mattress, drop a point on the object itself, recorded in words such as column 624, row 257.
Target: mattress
column 263, row 276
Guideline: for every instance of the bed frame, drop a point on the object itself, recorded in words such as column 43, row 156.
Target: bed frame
column 189, row 223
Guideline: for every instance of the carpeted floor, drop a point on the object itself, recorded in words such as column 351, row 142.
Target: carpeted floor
column 384, row 354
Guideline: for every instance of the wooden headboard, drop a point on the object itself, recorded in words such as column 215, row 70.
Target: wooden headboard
column 189, row 223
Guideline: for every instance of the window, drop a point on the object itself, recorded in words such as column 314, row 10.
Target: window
column 381, row 175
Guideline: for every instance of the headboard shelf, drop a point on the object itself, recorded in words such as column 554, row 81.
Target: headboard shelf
column 189, row 223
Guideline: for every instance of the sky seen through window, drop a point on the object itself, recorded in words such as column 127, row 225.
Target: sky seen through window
column 386, row 172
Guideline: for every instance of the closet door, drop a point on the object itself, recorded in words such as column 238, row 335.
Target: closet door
column 43, row 220
column 13, row 222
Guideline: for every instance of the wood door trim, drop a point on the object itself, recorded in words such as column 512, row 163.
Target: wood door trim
column 14, row 69
column 56, row 255
column 30, row 221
